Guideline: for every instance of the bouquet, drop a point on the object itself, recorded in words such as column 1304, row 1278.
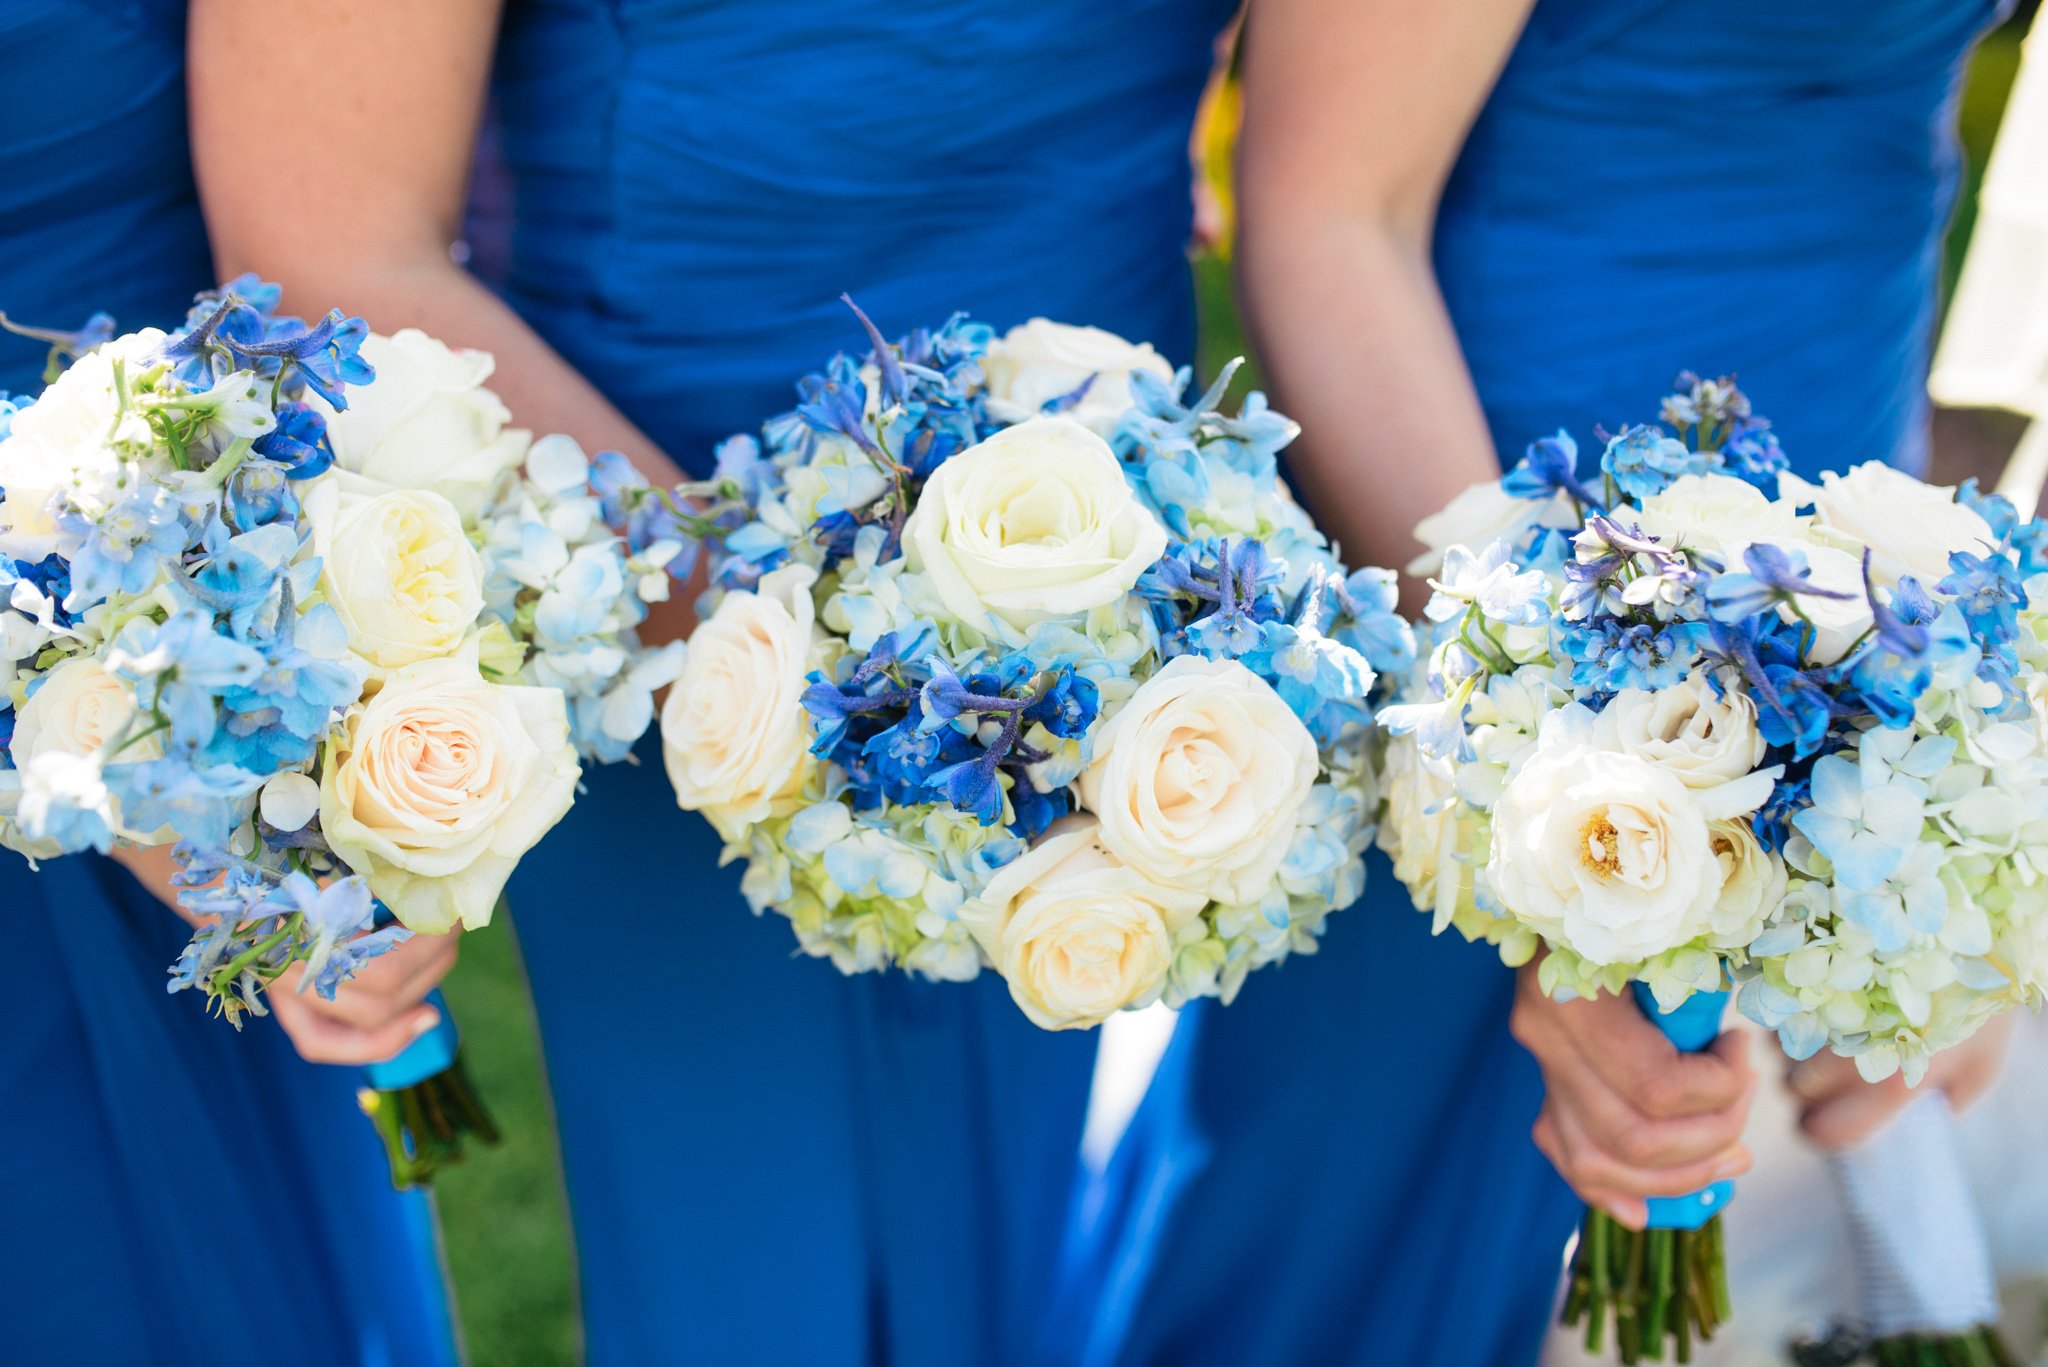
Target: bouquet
column 1013, row 658
column 282, row 595
column 1700, row 724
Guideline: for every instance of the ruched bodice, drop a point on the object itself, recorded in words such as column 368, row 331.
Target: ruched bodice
column 696, row 181
column 1757, row 186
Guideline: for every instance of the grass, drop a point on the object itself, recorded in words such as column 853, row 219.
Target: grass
column 502, row 1212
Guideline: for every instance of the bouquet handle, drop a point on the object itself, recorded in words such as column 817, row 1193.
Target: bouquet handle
column 1667, row 1281
column 1922, row 1256
column 423, row 1103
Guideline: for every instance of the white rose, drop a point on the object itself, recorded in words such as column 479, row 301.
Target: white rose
column 1076, row 934
column 1197, row 780
column 1702, row 739
column 1034, row 523
column 426, row 422
column 1041, row 360
column 398, row 569
column 1719, row 514
column 78, row 708
column 734, row 734
column 434, row 788
column 1609, row 854
column 1752, row 883
column 1483, row 514
column 67, row 439
column 1419, row 829
column 1910, row 527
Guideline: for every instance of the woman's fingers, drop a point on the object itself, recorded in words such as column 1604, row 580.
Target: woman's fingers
column 1839, row 1110
column 1633, row 1056
column 389, row 987
column 322, row 1038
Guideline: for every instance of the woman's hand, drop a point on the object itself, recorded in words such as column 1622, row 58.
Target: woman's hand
column 1838, row 1109
column 373, row 1016
column 1626, row 1114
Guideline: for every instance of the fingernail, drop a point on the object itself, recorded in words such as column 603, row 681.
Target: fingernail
column 1730, row 1167
column 426, row 1022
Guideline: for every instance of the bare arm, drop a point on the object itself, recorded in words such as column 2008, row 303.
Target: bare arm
column 1354, row 111
column 358, row 207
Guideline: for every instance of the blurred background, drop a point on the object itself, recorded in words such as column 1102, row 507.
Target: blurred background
column 503, row 1213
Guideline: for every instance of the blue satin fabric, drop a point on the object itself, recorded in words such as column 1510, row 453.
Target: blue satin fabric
column 768, row 1162
column 1748, row 186
column 171, row 1191
column 1754, row 186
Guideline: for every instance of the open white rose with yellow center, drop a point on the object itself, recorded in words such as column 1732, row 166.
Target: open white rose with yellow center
column 76, row 709
column 1077, row 934
column 1610, row 854
column 1910, row 527
column 397, row 567
column 734, row 733
column 434, row 788
column 1041, row 361
column 69, row 439
column 1198, row 778
column 1703, row 738
column 426, row 422
column 1036, row 522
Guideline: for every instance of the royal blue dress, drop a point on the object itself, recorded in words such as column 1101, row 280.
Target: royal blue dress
column 1756, row 186
column 171, row 1192
column 767, row 1162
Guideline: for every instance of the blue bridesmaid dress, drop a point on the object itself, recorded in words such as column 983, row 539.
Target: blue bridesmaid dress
column 767, row 1162
column 171, row 1192
column 1756, row 186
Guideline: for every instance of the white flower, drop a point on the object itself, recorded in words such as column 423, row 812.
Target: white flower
column 1718, row 514
column 1752, row 883
column 734, row 733
column 1197, row 780
column 1838, row 622
column 69, row 439
column 397, row 568
column 1702, row 738
column 1910, row 527
column 426, row 422
column 1421, row 831
column 1036, row 522
column 1076, row 934
column 79, row 709
column 1608, row 854
column 1039, row 361
column 434, row 788
column 1484, row 513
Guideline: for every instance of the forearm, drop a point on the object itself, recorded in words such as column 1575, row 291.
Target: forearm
column 396, row 290
column 1359, row 350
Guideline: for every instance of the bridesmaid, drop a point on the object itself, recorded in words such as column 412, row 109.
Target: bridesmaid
column 1464, row 227
column 175, row 1192
column 766, row 1162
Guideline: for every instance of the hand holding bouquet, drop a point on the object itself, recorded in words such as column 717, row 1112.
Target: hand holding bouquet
column 1013, row 658
column 307, row 620
column 1684, row 732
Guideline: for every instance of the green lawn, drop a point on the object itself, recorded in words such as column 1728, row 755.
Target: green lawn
column 502, row 1211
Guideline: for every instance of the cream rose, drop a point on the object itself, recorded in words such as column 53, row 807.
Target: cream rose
column 398, row 569
column 1039, row 361
column 1609, row 853
column 427, row 422
column 78, row 708
column 1837, row 622
column 1752, row 883
column 434, row 788
column 734, row 734
column 1198, row 779
column 1910, row 527
column 1419, row 827
column 1701, row 738
column 1076, row 934
column 1034, row 523
column 1719, row 514
column 1481, row 515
